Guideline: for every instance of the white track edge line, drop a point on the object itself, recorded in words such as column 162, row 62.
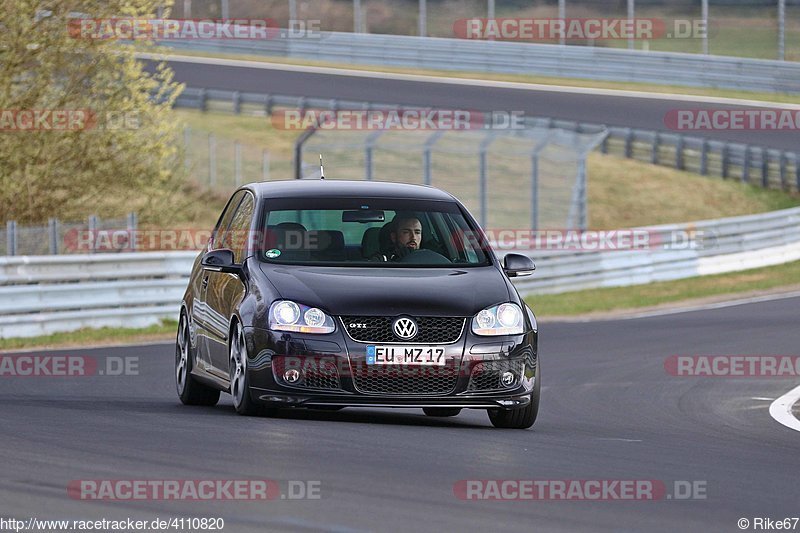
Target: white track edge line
column 781, row 409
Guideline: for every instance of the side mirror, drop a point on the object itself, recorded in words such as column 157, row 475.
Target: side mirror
column 220, row 261
column 516, row 265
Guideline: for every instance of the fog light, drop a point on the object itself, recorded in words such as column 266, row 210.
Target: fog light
column 508, row 379
column 291, row 376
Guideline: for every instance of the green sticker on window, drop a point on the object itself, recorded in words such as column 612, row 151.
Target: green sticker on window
column 272, row 254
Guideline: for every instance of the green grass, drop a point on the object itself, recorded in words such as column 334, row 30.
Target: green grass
column 165, row 330
column 638, row 296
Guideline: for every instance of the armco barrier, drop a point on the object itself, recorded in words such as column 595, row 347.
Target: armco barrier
column 693, row 70
column 46, row 294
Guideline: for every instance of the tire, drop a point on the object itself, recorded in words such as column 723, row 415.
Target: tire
column 239, row 379
column 441, row 411
column 521, row 418
column 190, row 391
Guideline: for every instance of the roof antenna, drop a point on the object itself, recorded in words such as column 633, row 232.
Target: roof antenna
column 321, row 168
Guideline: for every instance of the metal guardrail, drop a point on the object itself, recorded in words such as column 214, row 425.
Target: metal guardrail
column 45, row 294
column 40, row 295
column 727, row 245
column 767, row 167
column 608, row 64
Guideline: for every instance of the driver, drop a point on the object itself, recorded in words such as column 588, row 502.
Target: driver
column 406, row 237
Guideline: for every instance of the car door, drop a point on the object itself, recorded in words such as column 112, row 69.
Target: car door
column 224, row 290
column 208, row 322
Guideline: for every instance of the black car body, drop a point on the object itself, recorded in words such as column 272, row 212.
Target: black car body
column 319, row 322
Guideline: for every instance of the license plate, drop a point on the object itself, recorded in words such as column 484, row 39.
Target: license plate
column 405, row 355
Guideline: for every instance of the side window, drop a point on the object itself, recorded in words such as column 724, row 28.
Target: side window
column 237, row 236
column 220, row 232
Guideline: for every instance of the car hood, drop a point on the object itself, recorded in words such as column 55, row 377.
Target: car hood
column 391, row 291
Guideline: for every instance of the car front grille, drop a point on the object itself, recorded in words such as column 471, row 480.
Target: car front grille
column 378, row 329
column 399, row 379
column 486, row 376
column 316, row 373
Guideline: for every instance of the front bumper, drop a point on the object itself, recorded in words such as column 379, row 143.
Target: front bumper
column 465, row 381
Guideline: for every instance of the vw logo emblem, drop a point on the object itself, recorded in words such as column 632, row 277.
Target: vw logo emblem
column 405, row 328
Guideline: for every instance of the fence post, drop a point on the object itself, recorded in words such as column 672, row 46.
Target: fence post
column 746, row 164
column 582, row 200
column 764, row 168
column 298, row 152
column 203, row 97
column 797, row 170
column 631, row 14
column 423, row 18
column 357, row 16
column 562, row 14
column 212, row 160
column 369, row 145
column 268, row 104
column 604, row 145
column 781, row 30
column 187, row 9
column 93, row 232
column 132, row 223
column 237, row 102
column 654, row 154
column 704, row 15
column 725, row 156
column 237, row 163
column 52, row 231
column 484, row 171
column 426, row 156
column 11, row 237
column 704, row 158
column 679, row 163
column 783, row 171
column 264, row 165
column 535, row 191
column 225, row 9
column 629, row 143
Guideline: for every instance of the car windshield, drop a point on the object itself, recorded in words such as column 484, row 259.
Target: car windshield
column 370, row 232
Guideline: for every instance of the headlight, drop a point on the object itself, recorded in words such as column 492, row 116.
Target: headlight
column 503, row 319
column 286, row 315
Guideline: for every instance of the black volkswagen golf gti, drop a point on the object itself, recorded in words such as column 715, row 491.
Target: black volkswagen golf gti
column 330, row 294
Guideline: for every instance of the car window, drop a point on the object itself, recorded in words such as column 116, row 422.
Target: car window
column 370, row 232
column 219, row 237
column 238, row 235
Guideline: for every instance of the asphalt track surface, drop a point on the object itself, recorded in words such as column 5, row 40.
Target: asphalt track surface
column 611, row 110
column 609, row 411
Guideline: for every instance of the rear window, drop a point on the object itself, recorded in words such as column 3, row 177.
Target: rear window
column 370, row 232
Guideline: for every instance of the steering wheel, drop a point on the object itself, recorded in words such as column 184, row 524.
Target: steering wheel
column 425, row 257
